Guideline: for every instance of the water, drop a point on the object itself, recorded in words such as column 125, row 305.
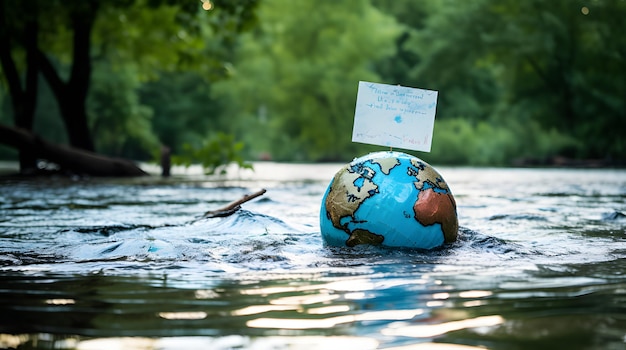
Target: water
column 130, row 264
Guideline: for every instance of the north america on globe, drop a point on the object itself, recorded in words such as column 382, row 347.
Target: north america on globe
column 391, row 199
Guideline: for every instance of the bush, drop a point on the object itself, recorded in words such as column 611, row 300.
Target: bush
column 461, row 141
column 215, row 154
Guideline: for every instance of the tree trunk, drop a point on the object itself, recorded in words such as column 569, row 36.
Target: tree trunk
column 69, row 159
column 25, row 119
column 72, row 95
column 23, row 99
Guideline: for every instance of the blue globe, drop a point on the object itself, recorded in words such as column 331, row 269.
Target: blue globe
column 391, row 199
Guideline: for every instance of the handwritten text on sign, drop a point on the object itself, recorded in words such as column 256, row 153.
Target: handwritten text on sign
column 394, row 116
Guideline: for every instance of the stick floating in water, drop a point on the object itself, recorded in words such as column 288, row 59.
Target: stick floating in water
column 232, row 207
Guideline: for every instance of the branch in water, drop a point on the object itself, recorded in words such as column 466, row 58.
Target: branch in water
column 232, row 207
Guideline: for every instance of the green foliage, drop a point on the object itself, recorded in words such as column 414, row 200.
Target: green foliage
column 135, row 42
column 214, row 154
column 527, row 79
column 461, row 141
column 122, row 123
column 172, row 50
column 552, row 64
column 294, row 86
column 182, row 109
column 165, row 36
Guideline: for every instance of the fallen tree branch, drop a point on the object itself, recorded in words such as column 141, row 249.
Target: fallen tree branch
column 232, row 207
column 68, row 158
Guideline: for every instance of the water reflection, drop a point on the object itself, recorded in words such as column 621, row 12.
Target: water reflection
column 229, row 342
column 197, row 315
column 330, row 322
column 433, row 330
column 390, row 311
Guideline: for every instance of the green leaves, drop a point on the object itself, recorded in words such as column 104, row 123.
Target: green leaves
column 294, row 81
column 522, row 65
column 123, row 124
column 515, row 78
column 214, row 154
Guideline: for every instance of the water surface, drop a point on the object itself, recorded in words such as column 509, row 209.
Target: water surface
column 131, row 264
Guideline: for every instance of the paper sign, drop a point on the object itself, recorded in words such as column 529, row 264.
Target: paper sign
column 394, row 116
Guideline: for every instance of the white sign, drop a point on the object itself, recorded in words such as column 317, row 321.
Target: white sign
column 394, row 116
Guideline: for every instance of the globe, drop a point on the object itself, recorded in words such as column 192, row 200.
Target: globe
column 390, row 199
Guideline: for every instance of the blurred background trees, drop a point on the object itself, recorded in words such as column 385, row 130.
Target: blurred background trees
column 293, row 91
column 518, row 81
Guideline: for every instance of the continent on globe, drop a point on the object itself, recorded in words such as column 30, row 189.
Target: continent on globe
column 435, row 207
column 391, row 199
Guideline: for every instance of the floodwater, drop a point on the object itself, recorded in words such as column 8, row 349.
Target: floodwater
column 130, row 264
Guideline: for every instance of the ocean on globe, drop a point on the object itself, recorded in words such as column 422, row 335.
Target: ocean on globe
column 390, row 199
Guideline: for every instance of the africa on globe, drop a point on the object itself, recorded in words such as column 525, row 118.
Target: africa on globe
column 390, row 199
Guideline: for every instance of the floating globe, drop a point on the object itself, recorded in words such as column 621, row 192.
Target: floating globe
column 390, row 199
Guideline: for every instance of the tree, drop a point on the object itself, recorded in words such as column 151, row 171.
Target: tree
column 563, row 63
column 294, row 84
column 182, row 110
column 20, row 26
column 71, row 94
column 48, row 30
column 521, row 64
